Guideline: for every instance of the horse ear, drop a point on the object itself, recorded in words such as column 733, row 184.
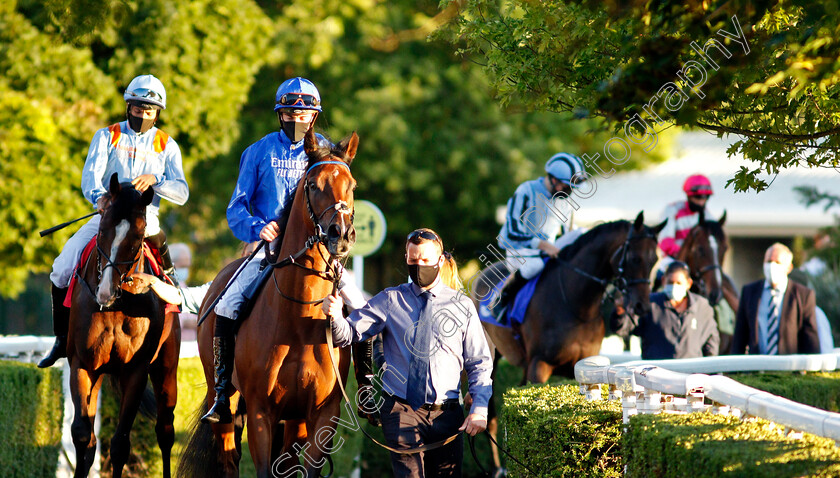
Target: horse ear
column 659, row 227
column 640, row 221
column 310, row 142
column 722, row 218
column 114, row 186
column 351, row 147
column 147, row 197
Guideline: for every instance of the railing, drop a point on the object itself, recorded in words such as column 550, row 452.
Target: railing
column 640, row 386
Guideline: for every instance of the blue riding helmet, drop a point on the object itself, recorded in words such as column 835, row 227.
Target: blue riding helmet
column 297, row 93
column 563, row 166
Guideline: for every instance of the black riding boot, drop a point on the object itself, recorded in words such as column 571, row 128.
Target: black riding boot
column 224, row 345
column 511, row 286
column 363, row 363
column 166, row 264
column 61, row 320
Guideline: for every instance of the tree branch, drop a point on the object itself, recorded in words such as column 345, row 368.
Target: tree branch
column 767, row 135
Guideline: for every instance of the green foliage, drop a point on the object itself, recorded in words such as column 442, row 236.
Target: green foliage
column 817, row 389
column 554, row 431
column 702, row 444
column 609, row 59
column 30, row 420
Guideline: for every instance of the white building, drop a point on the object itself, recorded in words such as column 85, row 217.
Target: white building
column 754, row 220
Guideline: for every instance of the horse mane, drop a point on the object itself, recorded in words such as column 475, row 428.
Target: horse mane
column 324, row 152
column 570, row 251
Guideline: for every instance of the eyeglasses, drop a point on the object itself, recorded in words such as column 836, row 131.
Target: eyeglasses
column 426, row 234
column 146, row 93
column 298, row 99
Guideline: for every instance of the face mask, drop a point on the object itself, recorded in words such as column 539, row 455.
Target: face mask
column 141, row 125
column 423, row 276
column 295, row 131
column 675, row 291
column 693, row 207
column 776, row 274
column 182, row 273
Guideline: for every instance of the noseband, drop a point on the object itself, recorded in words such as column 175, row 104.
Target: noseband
column 339, row 207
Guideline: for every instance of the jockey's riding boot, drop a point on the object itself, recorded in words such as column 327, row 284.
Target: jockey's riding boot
column 223, row 352
column 61, row 319
column 363, row 363
column 511, row 286
column 166, row 264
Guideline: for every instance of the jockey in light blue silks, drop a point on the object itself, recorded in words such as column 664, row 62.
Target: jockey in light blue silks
column 269, row 173
column 140, row 153
column 539, row 222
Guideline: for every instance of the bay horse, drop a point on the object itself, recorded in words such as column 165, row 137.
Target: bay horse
column 563, row 322
column 115, row 332
column 703, row 250
column 283, row 366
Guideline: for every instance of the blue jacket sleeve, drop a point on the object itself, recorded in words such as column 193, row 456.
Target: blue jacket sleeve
column 242, row 223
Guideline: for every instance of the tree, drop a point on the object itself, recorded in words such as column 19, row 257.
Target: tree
column 763, row 70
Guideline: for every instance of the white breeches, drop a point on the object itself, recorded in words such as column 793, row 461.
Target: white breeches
column 530, row 263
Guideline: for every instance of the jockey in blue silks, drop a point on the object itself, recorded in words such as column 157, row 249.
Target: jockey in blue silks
column 539, row 222
column 269, row 173
column 138, row 152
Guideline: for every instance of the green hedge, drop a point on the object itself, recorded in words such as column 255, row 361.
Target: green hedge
column 555, row 432
column 30, row 420
column 817, row 389
column 702, row 444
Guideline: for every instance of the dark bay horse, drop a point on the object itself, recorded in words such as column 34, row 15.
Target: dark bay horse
column 115, row 332
column 283, row 367
column 703, row 250
column 563, row 323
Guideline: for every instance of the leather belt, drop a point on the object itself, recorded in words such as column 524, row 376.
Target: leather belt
column 447, row 404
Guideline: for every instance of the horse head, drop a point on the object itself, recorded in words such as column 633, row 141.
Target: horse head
column 328, row 189
column 703, row 250
column 121, row 231
column 634, row 261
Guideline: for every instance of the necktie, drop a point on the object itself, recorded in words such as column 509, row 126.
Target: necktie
column 418, row 368
column 773, row 323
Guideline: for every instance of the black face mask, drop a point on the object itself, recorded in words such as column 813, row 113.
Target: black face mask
column 294, row 131
column 423, row 276
column 694, row 207
column 140, row 125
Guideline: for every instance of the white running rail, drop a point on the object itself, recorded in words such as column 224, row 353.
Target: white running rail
column 650, row 387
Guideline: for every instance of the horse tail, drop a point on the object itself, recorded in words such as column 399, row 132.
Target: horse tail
column 200, row 457
column 148, row 402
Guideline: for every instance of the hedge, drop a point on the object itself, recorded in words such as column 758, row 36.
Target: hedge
column 30, row 420
column 555, row 432
column 702, row 444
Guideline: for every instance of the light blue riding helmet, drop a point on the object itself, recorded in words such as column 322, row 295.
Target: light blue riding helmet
column 297, row 93
column 563, row 166
column 146, row 89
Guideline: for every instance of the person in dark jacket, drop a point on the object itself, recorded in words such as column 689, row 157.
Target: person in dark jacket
column 680, row 324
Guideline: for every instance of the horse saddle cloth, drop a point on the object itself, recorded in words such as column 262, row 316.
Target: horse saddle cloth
column 514, row 312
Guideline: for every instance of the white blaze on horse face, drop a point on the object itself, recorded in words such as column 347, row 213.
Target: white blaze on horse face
column 105, row 293
column 714, row 245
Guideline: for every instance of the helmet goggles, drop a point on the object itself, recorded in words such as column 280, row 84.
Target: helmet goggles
column 141, row 94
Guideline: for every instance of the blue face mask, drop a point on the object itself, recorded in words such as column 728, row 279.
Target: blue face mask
column 182, row 273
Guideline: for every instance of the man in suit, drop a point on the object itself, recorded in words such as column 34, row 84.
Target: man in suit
column 776, row 316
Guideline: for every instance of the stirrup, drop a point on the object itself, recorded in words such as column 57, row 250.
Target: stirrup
column 220, row 412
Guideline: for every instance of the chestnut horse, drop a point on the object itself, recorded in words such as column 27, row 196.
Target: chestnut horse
column 116, row 332
column 283, row 366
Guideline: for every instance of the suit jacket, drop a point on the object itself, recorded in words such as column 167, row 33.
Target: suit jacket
column 797, row 322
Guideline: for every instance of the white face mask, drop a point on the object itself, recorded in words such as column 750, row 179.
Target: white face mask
column 775, row 273
column 675, row 291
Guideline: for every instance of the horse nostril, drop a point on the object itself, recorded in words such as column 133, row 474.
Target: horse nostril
column 334, row 232
column 350, row 234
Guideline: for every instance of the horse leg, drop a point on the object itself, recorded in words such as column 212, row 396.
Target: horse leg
column 318, row 445
column 84, row 389
column 260, row 435
column 164, row 376
column 132, row 384
column 226, row 438
column 539, row 371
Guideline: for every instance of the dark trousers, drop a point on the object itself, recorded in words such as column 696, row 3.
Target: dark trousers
column 407, row 428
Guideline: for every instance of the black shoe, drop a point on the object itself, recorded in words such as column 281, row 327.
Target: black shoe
column 509, row 290
column 223, row 351
column 58, row 350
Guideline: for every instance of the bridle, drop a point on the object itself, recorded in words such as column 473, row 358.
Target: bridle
column 100, row 270
column 333, row 269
